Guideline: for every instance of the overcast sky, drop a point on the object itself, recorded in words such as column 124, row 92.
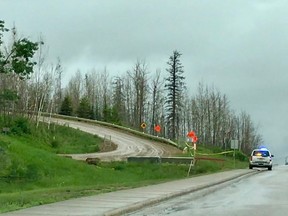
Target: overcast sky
column 239, row 46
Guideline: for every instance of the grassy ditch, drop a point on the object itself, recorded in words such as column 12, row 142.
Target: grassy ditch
column 32, row 174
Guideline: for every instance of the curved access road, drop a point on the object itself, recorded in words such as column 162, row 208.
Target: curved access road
column 127, row 144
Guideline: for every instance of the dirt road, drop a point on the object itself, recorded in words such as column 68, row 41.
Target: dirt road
column 127, row 144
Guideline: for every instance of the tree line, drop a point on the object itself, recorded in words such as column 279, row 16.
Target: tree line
column 30, row 86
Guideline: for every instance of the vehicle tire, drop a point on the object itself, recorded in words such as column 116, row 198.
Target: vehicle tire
column 250, row 167
column 270, row 168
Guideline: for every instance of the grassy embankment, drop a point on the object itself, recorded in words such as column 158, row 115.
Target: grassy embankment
column 32, row 174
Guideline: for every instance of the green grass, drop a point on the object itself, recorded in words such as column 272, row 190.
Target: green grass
column 67, row 140
column 32, row 174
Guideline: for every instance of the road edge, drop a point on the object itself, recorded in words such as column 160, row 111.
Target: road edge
column 203, row 190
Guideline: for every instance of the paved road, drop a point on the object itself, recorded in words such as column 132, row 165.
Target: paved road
column 125, row 201
column 128, row 144
column 265, row 194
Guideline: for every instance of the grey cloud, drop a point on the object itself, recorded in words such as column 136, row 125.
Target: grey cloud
column 239, row 46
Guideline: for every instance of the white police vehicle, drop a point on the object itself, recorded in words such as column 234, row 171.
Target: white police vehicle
column 261, row 157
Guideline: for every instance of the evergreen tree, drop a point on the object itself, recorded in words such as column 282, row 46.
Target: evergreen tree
column 84, row 109
column 118, row 106
column 106, row 113
column 66, row 106
column 175, row 86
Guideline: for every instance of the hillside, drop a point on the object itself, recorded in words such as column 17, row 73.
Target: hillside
column 32, row 172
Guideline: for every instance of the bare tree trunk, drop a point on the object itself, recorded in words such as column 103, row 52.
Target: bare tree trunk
column 140, row 79
column 157, row 101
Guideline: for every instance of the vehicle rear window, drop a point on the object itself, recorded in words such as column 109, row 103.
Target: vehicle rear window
column 261, row 153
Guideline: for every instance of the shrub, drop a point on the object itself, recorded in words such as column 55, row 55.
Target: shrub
column 55, row 143
column 119, row 167
column 21, row 125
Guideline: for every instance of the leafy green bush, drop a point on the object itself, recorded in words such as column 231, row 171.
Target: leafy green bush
column 55, row 143
column 119, row 167
column 20, row 126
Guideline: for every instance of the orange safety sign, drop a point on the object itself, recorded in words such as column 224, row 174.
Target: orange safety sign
column 157, row 128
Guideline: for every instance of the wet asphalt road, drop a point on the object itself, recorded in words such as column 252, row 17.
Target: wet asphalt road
column 263, row 194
